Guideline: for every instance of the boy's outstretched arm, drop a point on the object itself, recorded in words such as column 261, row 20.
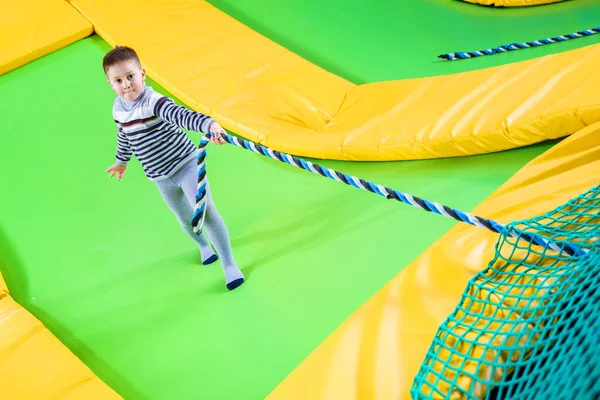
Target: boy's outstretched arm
column 166, row 109
column 123, row 156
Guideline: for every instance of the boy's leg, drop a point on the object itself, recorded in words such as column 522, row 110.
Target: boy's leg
column 215, row 227
column 178, row 203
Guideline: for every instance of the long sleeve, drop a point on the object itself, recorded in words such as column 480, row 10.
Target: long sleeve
column 184, row 118
column 123, row 148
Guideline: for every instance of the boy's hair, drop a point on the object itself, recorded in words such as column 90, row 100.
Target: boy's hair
column 119, row 54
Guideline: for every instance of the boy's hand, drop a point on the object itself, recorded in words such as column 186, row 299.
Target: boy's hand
column 217, row 138
column 117, row 169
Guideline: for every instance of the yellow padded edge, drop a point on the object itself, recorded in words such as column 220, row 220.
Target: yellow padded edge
column 3, row 288
column 266, row 93
column 377, row 351
column 33, row 28
column 512, row 3
column 219, row 66
column 36, row 365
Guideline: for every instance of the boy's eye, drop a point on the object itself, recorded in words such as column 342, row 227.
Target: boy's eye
column 130, row 77
column 118, row 81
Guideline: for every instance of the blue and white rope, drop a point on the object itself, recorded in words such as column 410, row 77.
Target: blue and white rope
column 200, row 209
column 198, row 218
column 461, row 55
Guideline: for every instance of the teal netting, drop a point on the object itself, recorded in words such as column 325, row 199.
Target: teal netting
column 528, row 326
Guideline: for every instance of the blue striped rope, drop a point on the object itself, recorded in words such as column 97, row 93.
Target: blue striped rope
column 200, row 209
column 461, row 216
column 461, row 55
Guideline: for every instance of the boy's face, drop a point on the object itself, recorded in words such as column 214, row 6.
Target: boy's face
column 127, row 78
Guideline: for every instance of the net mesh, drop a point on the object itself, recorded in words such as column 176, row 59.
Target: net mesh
column 528, row 326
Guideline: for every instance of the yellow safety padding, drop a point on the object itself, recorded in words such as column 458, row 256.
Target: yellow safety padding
column 376, row 352
column 33, row 28
column 512, row 3
column 264, row 92
column 36, row 365
column 3, row 288
column 220, row 66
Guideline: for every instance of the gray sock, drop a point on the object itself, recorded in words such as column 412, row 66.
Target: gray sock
column 207, row 254
column 233, row 277
column 217, row 232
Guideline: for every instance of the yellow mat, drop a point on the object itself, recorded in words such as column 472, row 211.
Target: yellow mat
column 268, row 94
column 33, row 28
column 512, row 3
column 36, row 365
column 3, row 288
column 377, row 351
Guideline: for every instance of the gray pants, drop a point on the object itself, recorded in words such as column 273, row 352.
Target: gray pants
column 179, row 191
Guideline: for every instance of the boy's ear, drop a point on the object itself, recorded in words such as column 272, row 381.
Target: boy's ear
column 143, row 75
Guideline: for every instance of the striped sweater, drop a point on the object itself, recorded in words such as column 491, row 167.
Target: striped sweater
column 151, row 128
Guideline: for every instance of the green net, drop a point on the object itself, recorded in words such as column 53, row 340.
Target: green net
column 528, row 326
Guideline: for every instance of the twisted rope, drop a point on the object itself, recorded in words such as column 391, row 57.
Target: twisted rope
column 461, row 216
column 200, row 210
column 517, row 46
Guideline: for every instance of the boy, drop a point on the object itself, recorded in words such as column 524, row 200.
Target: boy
column 149, row 126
